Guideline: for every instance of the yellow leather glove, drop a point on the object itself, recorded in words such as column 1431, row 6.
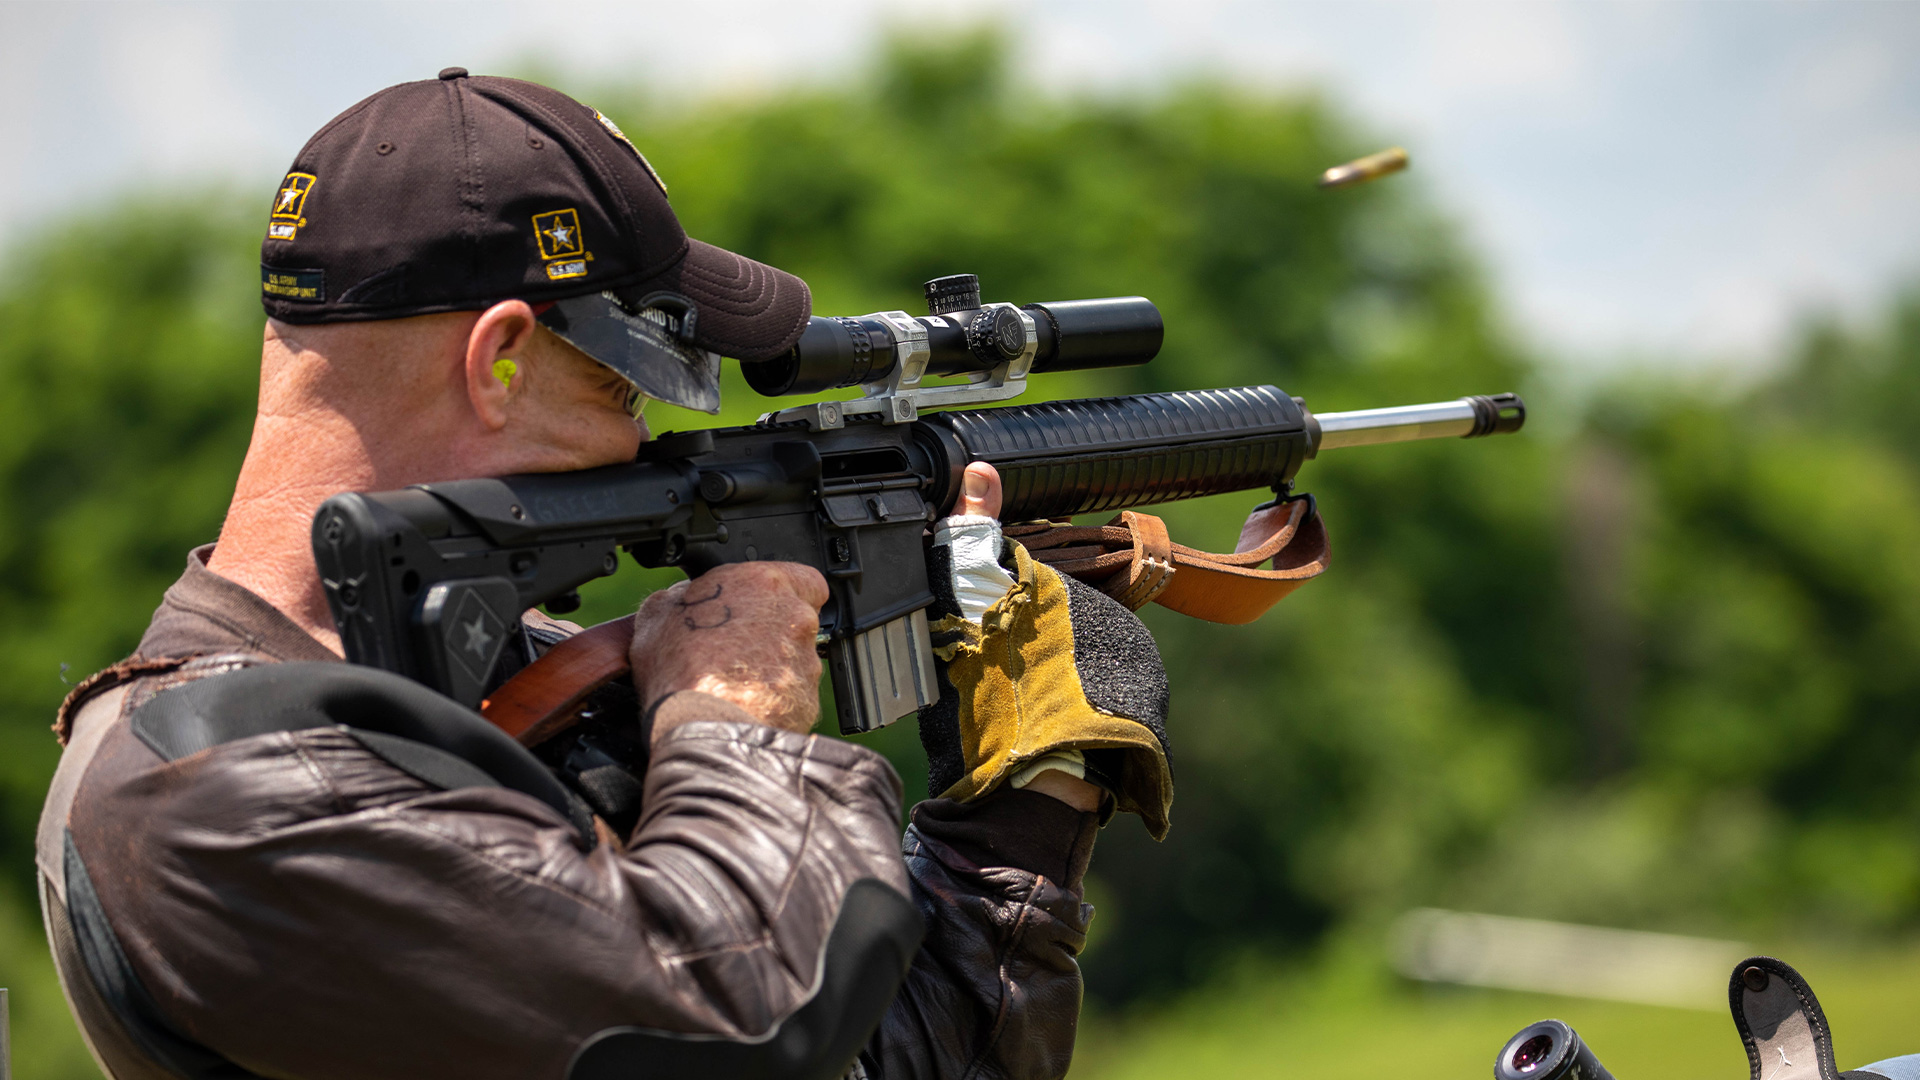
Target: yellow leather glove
column 1047, row 671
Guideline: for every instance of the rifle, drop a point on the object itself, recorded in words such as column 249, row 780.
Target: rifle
column 428, row 581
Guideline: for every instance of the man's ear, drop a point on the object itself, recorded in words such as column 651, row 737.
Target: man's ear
column 495, row 348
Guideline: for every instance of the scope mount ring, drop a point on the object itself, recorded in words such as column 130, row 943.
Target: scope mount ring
column 901, row 398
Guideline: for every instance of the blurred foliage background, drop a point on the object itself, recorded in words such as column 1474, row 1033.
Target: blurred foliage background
column 1650, row 664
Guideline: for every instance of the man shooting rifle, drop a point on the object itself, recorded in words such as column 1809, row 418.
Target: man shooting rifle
column 475, row 851
column 257, row 860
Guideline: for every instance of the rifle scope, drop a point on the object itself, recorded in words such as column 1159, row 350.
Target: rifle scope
column 1548, row 1050
column 963, row 337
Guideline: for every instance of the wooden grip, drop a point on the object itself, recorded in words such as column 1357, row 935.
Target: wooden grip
column 544, row 698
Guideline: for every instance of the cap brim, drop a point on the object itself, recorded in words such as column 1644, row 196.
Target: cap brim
column 644, row 349
column 748, row 310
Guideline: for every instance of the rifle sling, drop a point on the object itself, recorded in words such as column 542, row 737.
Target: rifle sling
column 1130, row 558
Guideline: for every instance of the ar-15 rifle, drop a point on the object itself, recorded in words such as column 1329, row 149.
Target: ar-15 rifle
column 426, row 581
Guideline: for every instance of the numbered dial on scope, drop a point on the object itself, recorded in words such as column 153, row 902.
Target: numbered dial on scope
column 955, row 292
column 997, row 335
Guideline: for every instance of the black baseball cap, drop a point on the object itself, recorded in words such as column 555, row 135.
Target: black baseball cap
column 456, row 193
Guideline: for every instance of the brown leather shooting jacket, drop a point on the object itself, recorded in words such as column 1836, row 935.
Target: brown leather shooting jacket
column 245, row 877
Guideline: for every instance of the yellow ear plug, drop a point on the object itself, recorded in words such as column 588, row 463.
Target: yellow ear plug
column 504, row 370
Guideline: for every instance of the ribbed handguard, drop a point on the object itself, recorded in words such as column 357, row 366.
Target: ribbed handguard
column 1101, row 454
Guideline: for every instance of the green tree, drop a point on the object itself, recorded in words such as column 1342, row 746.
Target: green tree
column 1752, row 605
column 129, row 362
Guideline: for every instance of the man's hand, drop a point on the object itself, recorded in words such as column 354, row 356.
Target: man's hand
column 742, row 632
column 981, row 495
column 980, row 491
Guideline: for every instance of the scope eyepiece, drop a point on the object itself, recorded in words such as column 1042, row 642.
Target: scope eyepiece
column 963, row 337
column 1548, row 1050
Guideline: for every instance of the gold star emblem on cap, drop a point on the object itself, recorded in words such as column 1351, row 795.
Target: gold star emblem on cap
column 292, row 197
column 558, row 232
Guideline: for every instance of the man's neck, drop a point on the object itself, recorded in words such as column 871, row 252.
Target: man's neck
column 348, row 407
column 266, row 541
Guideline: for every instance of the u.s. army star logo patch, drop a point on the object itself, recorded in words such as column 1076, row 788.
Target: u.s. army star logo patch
column 288, row 205
column 561, row 245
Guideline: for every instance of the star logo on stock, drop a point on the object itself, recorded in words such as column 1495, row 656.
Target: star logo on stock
column 474, row 635
column 477, row 637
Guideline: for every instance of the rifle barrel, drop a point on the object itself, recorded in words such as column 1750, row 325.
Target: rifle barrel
column 1465, row 418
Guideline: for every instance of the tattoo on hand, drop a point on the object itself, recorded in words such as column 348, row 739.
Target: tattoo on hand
column 711, row 617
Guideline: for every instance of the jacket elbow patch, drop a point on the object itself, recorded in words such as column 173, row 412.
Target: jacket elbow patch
column 868, row 951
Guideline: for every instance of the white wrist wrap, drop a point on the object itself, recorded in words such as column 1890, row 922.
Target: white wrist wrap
column 979, row 581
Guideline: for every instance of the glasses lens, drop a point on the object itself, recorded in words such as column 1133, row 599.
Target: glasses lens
column 636, row 402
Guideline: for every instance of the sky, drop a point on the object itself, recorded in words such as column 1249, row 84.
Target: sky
column 1676, row 181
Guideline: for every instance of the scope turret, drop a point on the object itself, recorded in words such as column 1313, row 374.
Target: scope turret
column 963, row 336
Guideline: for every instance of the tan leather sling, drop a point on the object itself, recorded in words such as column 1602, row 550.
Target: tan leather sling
column 1131, row 559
